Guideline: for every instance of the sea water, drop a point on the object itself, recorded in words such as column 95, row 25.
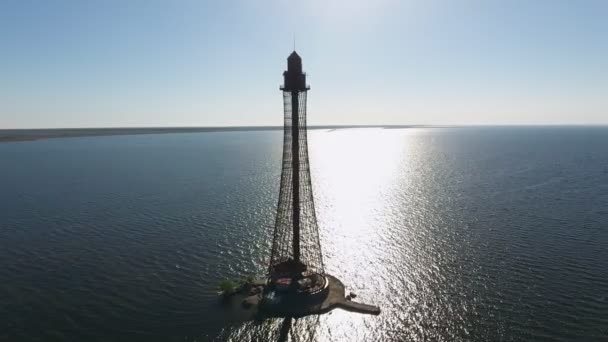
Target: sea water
column 478, row 233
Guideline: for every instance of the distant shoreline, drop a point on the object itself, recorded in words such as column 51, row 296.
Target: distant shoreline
column 19, row 135
column 16, row 135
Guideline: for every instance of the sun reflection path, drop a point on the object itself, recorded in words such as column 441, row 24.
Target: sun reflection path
column 355, row 172
column 392, row 231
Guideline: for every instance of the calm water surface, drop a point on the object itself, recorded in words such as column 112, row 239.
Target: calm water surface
column 457, row 234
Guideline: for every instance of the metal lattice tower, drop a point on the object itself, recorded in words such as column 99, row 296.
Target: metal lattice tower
column 296, row 249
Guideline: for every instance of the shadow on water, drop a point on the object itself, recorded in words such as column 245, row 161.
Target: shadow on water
column 284, row 331
column 280, row 330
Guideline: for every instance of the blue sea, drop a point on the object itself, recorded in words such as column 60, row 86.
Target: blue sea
column 457, row 234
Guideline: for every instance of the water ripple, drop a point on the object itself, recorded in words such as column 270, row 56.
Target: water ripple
column 457, row 234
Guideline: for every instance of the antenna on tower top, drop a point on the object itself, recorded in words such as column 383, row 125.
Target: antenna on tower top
column 294, row 41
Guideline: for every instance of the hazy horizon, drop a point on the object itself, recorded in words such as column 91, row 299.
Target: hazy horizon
column 324, row 126
column 137, row 64
column 314, row 126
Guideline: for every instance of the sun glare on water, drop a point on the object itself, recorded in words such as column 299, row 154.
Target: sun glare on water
column 355, row 173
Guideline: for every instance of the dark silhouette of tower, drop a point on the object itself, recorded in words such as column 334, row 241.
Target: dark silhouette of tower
column 296, row 249
column 298, row 285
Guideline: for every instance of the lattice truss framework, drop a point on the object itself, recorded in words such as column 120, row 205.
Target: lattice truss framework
column 282, row 244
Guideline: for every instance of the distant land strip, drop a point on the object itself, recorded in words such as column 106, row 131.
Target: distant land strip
column 12, row 135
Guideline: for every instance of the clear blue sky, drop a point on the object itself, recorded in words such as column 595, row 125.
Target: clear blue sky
column 213, row 63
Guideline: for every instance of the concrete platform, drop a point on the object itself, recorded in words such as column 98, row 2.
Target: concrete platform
column 303, row 305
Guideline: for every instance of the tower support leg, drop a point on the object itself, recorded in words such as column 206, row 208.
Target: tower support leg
column 295, row 165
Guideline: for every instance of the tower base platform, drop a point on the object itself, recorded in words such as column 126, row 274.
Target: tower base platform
column 304, row 304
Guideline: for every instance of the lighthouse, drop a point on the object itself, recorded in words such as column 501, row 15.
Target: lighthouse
column 296, row 247
column 297, row 284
